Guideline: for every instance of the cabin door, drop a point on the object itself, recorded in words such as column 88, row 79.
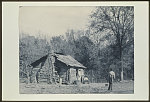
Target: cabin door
column 72, row 75
column 80, row 73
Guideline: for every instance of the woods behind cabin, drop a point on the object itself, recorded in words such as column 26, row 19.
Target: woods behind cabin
column 108, row 42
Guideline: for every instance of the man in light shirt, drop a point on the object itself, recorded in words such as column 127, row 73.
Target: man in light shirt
column 111, row 78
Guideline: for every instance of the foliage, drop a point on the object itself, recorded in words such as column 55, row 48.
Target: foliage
column 107, row 43
column 120, row 21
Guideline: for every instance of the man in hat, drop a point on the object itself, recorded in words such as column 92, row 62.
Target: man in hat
column 111, row 78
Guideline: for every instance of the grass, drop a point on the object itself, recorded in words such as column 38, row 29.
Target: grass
column 92, row 88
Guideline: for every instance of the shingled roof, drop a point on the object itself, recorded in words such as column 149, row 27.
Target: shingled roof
column 37, row 62
column 66, row 59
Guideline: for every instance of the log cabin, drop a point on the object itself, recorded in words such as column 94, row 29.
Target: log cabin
column 52, row 67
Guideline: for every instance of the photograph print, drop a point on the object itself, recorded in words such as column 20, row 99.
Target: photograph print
column 76, row 49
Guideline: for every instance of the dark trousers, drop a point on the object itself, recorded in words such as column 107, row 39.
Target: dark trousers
column 110, row 86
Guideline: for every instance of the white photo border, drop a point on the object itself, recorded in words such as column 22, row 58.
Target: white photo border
column 10, row 54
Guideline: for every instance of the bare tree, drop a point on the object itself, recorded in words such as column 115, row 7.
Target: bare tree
column 120, row 21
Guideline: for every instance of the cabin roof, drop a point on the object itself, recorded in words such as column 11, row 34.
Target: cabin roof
column 37, row 62
column 66, row 59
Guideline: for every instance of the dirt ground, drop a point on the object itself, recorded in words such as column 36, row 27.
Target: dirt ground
column 126, row 87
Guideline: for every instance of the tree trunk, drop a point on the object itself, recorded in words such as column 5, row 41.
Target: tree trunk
column 122, row 75
column 121, row 63
column 91, row 76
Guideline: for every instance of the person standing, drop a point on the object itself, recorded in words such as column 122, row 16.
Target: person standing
column 111, row 78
